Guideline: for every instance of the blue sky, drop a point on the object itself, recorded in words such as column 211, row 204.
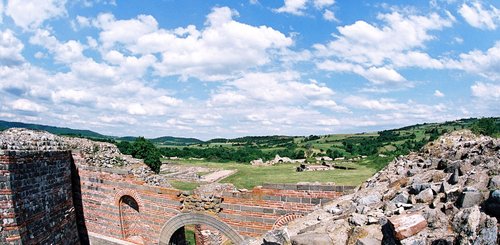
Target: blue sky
column 211, row 69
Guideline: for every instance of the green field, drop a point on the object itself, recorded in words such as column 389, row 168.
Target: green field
column 250, row 176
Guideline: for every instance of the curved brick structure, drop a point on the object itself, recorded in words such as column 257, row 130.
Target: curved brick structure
column 181, row 220
column 285, row 219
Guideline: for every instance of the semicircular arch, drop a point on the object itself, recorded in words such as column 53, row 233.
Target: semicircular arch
column 184, row 219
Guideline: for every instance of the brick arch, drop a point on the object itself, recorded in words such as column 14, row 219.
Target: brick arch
column 181, row 220
column 285, row 219
column 118, row 196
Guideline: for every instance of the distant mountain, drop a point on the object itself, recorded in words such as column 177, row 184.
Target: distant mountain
column 55, row 130
column 169, row 140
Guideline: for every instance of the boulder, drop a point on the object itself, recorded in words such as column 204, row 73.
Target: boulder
column 425, row 196
column 454, row 177
column 418, row 187
column 469, row 198
column 277, row 237
column 368, row 241
column 369, row 199
column 400, row 198
column 407, row 225
column 311, row 239
column 358, row 219
column 465, row 224
column 494, row 183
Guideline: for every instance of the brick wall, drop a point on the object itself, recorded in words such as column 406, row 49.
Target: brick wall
column 36, row 204
column 117, row 205
column 250, row 213
column 53, row 197
column 254, row 213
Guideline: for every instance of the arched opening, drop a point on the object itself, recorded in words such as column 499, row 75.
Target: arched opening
column 173, row 232
column 130, row 218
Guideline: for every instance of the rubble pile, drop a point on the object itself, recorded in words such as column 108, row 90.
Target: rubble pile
column 448, row 193
column 20, row 139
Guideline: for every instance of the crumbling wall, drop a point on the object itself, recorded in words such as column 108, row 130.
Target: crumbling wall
column 255, row 212
column 36, row 198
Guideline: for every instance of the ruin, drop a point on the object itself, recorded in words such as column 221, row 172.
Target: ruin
column 56, row 190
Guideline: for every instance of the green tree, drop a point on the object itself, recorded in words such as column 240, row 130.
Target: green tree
column 485, row 126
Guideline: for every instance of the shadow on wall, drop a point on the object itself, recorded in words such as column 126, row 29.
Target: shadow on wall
column 77, row 202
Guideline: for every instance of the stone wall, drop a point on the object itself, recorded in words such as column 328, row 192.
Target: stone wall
column 36, row 202
column 255, row 212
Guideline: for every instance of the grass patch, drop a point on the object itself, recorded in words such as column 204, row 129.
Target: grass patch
column 189, row 234
column 249, row 176
column 184, row 185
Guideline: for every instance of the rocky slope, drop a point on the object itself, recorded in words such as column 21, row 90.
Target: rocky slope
column 99, row 154
column 448, row 193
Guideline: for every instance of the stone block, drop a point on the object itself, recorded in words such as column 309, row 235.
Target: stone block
column 407, row 225
column 311, row 239
column 469, row 199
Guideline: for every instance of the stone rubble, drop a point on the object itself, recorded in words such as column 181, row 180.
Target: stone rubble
column 447, row 193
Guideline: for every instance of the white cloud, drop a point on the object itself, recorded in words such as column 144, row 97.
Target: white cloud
column 320, row 4
column 376, row 75
column 68, row 52
column 376, row 51
column 27, row 105
column 328, row 104
column 30, row 14
column 329, row 15
column 479, row 17
column 486, row 64
column 221, row 50
column 1, row 12
column 438, row 93
column 80, row 22
column 298, row 7
column 486, row 90
column 328, row 122
column 373, row 104
column 295, row 7
column 10, row 49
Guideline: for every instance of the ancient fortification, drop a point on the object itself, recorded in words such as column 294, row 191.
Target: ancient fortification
column 59, row 190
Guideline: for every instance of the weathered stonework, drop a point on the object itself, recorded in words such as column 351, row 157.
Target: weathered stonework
column 51, row 192
column 36, row 198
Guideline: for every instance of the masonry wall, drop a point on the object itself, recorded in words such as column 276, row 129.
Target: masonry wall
column 107, row 210
column 36, row 205
column 250, row 213
column 258, row 211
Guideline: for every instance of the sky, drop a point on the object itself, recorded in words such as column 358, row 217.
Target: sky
column 210, row 69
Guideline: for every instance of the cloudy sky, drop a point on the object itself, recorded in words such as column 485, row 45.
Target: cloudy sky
column 230, row 68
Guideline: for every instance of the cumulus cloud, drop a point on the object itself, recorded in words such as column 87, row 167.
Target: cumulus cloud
column 284, row 87
column 27, row 105
column 68, row 52
column 486, row 64
column 480, row 17
column 329, row 15
column 374, row 104
column 298, row 7
column 10, row 49
column 374, row 51
column 30, row 14
column 224, row 47
column 295, row 7
column 438, row 93
column 486, row 90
